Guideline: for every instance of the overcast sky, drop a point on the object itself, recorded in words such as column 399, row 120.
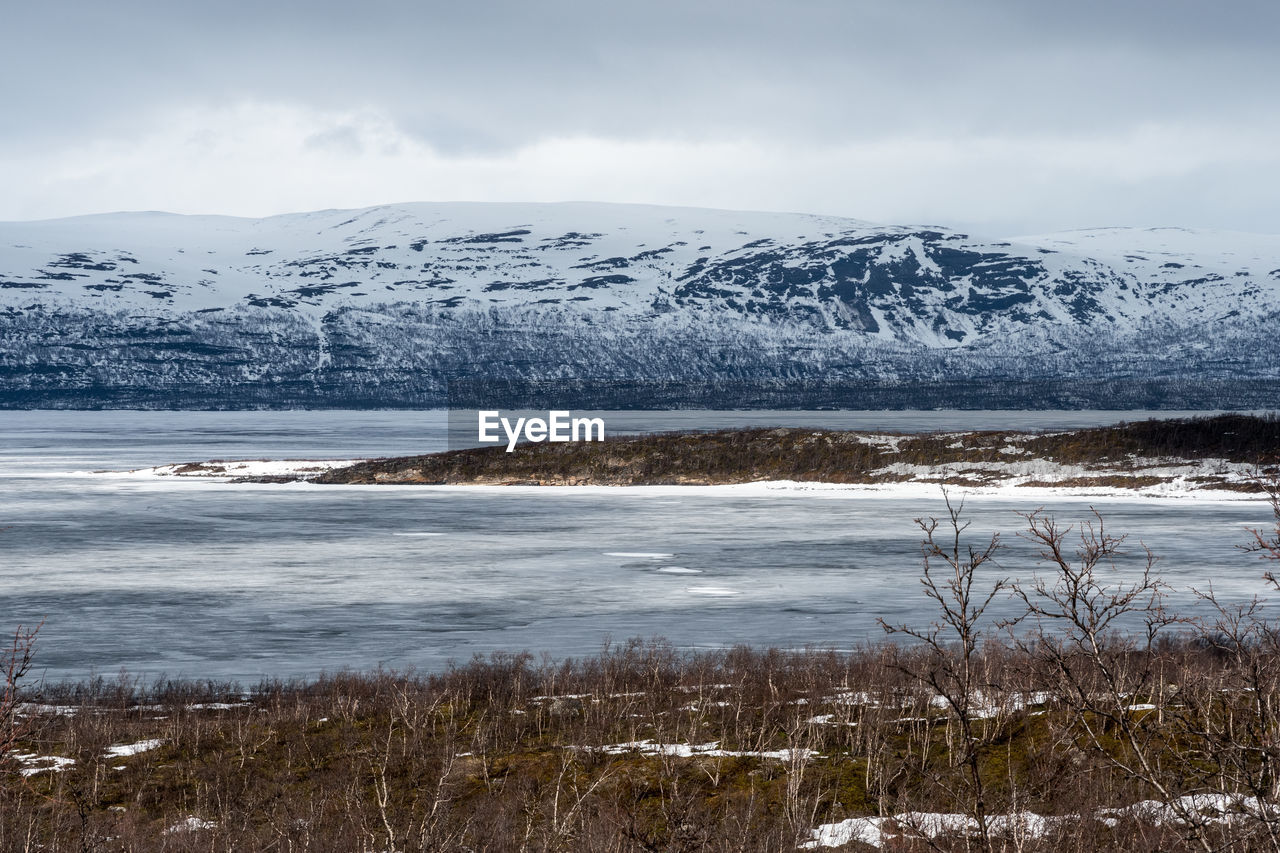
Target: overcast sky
column 1005, row 116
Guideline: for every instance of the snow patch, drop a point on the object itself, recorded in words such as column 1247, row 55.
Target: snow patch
column 126, row 749
column 704, row 750
column 191, row 824
column 227, row 470
column 33, row 763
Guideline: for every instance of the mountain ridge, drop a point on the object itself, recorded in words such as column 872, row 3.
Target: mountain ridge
column 393, row 301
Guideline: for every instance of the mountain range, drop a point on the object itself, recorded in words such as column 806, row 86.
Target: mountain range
column 619, row 305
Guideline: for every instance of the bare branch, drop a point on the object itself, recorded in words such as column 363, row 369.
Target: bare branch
column 15, row 661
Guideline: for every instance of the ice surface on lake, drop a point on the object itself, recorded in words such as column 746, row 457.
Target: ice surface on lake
column 208, row 579
column 637, row 554
column 711, row 590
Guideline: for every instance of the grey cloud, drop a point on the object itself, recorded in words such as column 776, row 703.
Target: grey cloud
column 503, row 73
column 487, row 78
column 340, row 140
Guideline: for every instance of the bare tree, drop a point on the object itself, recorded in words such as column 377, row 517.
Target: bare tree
column 16, row 661
column 1267, row 545
column 950, row 665
column 1097, row 635
column 1230, row 725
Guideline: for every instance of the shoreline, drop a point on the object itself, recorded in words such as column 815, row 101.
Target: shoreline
column 1220, row 458
column 902, row 490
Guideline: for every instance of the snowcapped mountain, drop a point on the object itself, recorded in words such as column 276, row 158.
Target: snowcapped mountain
column 382, row 306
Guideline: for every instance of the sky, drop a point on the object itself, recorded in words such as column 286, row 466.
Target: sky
column 999, row 116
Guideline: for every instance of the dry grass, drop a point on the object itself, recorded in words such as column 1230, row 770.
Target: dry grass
column 485, row 757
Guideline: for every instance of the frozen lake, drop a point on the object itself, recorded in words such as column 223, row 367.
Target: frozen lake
column 207, row 579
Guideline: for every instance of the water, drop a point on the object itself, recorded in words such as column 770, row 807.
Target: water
column 214, row 580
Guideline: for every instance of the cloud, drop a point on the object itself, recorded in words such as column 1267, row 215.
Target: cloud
column 259, row 159
column 1017, row 114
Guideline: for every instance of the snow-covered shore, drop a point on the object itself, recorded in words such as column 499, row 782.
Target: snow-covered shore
column 231, row 469
column 1025, row 480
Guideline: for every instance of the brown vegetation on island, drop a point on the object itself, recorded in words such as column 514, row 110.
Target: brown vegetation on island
column 754, row 455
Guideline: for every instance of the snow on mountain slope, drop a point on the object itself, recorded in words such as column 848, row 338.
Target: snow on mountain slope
column 1214, row 274
column 384, row 291
column 428, row 253
column 929, row 285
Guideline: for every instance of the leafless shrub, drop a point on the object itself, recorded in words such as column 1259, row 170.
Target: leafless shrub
column 1267, row 544
column 949, row 665
column 16, row 661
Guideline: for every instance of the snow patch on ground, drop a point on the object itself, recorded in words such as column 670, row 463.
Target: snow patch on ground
column 29, row 709
column 875, row 831
column 1178, row 476
column 981, row 704
column 704, row 750
column 33, row 763
column 191, row 824
column 126, row 749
